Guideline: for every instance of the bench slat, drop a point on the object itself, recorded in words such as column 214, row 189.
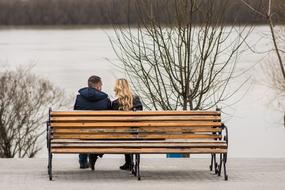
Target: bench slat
column 169, row 141
column 135, row 136
column 140, row 145
column 138, row 124
column 139, row 150
column 120, row 113
column 132, row 130
column 134, row 118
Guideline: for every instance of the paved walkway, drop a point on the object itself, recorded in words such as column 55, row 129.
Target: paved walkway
column 157, row 173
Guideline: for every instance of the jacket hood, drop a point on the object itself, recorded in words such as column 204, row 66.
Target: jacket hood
column 92, row 94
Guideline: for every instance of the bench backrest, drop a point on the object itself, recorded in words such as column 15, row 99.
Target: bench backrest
column 130, row 125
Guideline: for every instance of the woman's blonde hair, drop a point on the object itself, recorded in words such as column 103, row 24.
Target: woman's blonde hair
column 124, row 94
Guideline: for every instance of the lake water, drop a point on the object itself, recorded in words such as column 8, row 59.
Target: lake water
column 68, row 57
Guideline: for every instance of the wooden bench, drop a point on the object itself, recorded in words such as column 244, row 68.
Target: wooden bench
column 138, row 132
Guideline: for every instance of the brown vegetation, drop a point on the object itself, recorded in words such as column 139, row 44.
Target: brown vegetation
column 24, row 101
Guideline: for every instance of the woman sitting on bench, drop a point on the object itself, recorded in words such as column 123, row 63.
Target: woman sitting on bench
column 125, row 101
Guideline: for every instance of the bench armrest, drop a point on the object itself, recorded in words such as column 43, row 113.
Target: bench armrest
column 48, row 133
column 48, row 136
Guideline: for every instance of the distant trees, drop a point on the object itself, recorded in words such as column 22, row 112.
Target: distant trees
column 24, row 102
column 106, row 12
column 181, row 65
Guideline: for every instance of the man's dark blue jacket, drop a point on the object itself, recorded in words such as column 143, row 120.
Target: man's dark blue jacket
column 92, row 99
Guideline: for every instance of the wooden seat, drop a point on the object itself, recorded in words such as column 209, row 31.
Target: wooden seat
column 140, row 132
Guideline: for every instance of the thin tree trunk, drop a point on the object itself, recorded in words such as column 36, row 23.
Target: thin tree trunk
column 274, row 38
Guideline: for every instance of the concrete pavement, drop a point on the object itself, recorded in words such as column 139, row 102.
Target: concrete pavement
column 157, row 173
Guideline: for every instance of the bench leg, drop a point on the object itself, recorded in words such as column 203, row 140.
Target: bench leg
column 220, row 165
column 137, row 166
column 223, row 161
column 216, row 164
column 50, row 166
column 225, row 169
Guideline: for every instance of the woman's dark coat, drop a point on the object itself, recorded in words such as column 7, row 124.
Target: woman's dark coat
column 137, row 104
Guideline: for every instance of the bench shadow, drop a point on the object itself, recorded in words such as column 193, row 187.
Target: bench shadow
column 125, row 176
column 178, row 175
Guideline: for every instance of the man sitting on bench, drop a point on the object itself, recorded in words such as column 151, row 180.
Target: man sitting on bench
column 91, row 98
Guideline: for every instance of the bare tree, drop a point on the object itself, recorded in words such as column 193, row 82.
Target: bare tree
column 276, row 80
column 268, row 14
column 276, row 48
column 275, row 71
column 24, row 100
column 177, row 63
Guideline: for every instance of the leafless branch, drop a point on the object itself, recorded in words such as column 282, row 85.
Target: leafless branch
column 181, row 65
column 24, row 99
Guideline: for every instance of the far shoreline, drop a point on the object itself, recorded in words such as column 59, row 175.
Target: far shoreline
column 78, row 27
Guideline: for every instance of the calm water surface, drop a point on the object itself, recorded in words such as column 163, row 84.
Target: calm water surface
column 69, row 57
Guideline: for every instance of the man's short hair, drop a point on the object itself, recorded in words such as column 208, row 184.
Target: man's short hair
column 94, row 80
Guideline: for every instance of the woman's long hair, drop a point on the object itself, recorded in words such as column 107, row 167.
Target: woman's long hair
column 124, row 94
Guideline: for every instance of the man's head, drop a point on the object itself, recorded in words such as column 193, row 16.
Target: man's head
column 95, row 82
